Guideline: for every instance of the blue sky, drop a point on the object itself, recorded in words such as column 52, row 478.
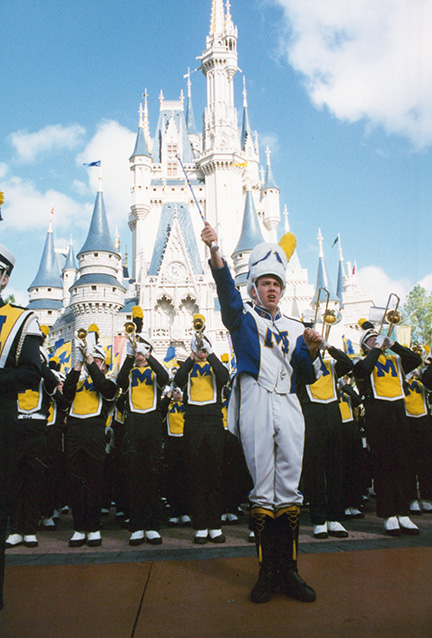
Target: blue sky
column 341, row 92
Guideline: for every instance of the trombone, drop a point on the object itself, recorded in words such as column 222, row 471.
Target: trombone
column 392, row 315
column 330, row 318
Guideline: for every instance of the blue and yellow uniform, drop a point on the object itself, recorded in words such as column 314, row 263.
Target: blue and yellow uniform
column 202, row 383
column 380, row 379
column 142, row 440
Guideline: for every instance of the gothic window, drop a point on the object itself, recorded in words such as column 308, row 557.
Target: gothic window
column 187, row 309
column 171, row 169
column 164, row 313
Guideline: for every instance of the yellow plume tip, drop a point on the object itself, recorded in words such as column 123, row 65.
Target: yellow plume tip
column 361, row 322
column 93, row 328
column 44, row 329
column 288, row 243
column 137, row 311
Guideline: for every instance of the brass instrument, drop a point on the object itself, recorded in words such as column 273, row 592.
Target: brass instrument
column 392, row 315
column 330, row 317
column 81, row 337
column 129, row 328
column 318, row 301
column 199, row 327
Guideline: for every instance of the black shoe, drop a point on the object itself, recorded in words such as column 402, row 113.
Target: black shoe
column 220, row 538
column 263, row 589
column 294, row 586
column 200, row 540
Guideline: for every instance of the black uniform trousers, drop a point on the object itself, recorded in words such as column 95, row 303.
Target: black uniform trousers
column 142, row 460
column 204, row 446
column 421, row 457
column 353, row 467
column 85, row 455
column 388, row 435
column 322, row 476
column 53, row 483
column 175, row 476
column 28, row 473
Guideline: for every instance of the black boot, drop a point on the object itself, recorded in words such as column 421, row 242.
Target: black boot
column 287, row 530
column 263, row 525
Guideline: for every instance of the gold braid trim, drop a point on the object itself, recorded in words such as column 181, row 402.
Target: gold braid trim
column 259, row 514
column 23, row 335
column 293, row 513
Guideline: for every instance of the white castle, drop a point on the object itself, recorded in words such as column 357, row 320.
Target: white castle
column 170, row 277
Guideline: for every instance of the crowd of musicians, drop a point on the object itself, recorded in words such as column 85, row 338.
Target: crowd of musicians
column 153, row 441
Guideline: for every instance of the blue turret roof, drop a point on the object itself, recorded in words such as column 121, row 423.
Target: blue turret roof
column 70, row 262
column 49, row 271
column 180, row 122
column 99, row 278
column 269, row 179
column 339, row 286
column 251, row 234
column 140, row 144
column 99, row 236
column 163, row 233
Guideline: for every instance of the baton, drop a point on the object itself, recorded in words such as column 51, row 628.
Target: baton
column 213, row 247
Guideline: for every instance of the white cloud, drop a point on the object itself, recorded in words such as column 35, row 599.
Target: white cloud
column 376, row 280
column 28, row 208
column 366, row 59
column 113, row 144
column 51, row 138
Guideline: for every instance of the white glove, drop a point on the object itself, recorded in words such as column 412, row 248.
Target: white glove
column 80, row 355
column 130, row 351
column 323, row 345
column 207, row 345
column 380, row 342
column 194, row 345
column 143, row 348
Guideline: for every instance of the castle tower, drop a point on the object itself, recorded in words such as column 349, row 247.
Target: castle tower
column 46, row 290
column 251, row 235
column 270, row 201
column 222, row 160
column 98, row 294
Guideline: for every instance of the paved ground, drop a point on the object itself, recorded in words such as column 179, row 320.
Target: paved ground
column 368, row 586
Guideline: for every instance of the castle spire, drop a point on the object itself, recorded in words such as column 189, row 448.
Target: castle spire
column 217, row 20
column 323, row 280
column 246, row 129
column 190, row 118
column 49, row 271
column 341, row 273
column 99, row 236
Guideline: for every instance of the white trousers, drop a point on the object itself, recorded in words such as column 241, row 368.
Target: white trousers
column 272, row 435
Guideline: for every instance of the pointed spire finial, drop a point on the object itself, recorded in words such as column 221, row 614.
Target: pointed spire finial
column 189, row 83
column 340, row 248
column 320, row 243
column 268, row 153
column 217, row 20
column 161, row 99
column 182, row 98
column 244, row 92
column 262, row 171
column 100, row 189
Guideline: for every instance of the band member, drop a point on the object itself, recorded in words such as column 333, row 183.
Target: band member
column 174, row 457
column 273, row 353
column 91, row 396
column 31, row 457
column 419, row 422
column 380, row 379
column 202, row 378
column 144, row 378
column 20, row 368
column 322, row 477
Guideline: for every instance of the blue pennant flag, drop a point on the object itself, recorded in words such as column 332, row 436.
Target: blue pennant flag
column 98, row 163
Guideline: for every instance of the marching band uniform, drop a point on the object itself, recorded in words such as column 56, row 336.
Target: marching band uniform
column 142, row 442
column 202, row 379
column 91, row 397
column 419, row 422
column 20, row 337
column 352, row 451
column 322, row 477
column 30, row 462
column 264, row 410
column 53, row 493
column 174, row 457
column 380, row 379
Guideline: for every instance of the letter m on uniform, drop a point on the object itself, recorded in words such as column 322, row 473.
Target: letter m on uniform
column 386, row 368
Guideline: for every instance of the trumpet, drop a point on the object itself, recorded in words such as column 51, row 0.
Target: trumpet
column 81, row 337
column 129, row 328
column 199, row 327
column 392, row 315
